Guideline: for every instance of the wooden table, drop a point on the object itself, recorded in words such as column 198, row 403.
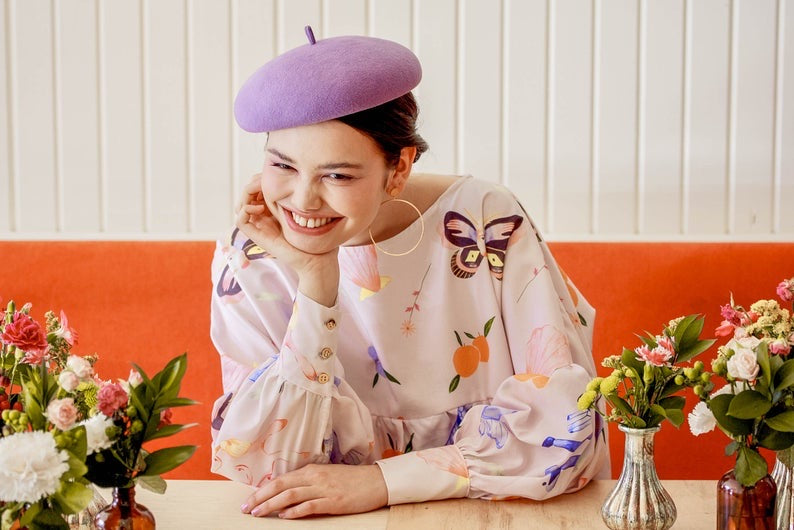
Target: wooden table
column 210, row 504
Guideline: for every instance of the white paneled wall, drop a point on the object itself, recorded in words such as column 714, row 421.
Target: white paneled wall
column 610, row 119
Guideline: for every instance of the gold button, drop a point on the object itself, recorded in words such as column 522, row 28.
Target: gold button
column 323, row 378
column 326, row 353
column 331, row 325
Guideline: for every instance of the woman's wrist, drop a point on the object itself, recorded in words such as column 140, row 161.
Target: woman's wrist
column 320, row 284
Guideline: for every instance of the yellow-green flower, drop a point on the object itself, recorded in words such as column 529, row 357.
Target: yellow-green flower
column 586, row 400
column 594, row 384
column 609, row 385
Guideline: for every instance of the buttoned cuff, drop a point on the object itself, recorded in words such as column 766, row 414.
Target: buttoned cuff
column 427, row 475
column 309, row 353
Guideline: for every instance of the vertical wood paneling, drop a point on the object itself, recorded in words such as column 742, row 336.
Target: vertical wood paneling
column 121, row 110
column 78, row 130
column 661, row 115
column 706, row 149
column 753, row 121
column 435, row 30
column 570, row 118
column 254, row 41
column 294, row 15
column 785, row 99
column 391, row 19
column 6, row 187
column 344, row 17
column 33, row 90
column 210, row 150
column 166, row 116
column 615, row 117
column 524, row 141
column 480, row 123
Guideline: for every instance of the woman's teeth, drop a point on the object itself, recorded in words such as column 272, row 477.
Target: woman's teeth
column 310, row 223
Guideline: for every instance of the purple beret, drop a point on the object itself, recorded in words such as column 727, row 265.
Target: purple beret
column 324, row 80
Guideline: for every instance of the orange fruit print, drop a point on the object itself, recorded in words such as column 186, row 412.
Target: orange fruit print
column 467, row 357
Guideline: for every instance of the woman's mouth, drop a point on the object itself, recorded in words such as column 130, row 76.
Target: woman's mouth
column 309, row 225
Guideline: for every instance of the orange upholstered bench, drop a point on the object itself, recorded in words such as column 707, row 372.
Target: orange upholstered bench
column 148, row 301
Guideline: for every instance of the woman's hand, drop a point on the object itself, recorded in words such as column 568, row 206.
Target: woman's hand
column 320, row 489
column 318, row 274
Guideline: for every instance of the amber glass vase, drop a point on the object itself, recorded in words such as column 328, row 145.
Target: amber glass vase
column 124, row 513
column 745, row 507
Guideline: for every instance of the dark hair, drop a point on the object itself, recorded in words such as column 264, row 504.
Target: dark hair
column 392, row 125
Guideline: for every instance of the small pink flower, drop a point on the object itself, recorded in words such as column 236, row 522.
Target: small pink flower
column 110, row 398
column 658, row 356
column 37, row 357
column 749, row 317
column 785, row 290
column 24, row 333
column 165, row 418
column 62, row 413
column 65, row 332
column 68, row 380
column 730, row 314
column 666, row 343
column 779, row 347
column 725, row 329
column 135, row 378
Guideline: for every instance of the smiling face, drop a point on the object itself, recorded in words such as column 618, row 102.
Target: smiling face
column 324, row 184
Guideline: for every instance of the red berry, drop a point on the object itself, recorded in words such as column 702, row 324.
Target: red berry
column 17, row 406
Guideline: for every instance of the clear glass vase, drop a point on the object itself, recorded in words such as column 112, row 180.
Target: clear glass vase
column 784, row 479
column 84, row 520
column 745, row 507
column 638, row 501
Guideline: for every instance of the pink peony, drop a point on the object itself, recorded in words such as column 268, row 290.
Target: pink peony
column 659, row 356
column 785, row 290
column 24, row 333
column 725, row 329
column 110, row 398
column 779, row 347
column 62, row 413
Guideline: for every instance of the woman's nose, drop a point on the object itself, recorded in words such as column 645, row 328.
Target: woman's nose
column 305, row 196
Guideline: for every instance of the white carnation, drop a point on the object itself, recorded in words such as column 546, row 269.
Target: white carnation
column 701, row 419
column 743, row 365
column 80, row 367
column 31, row 466
column 96, row 438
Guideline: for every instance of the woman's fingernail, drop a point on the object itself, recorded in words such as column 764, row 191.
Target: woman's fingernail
column 255, row 512
column 244, row 508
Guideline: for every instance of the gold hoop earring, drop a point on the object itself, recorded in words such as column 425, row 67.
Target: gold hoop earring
column 421, row 234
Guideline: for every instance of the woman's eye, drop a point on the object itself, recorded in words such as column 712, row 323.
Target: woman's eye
column 338, row 177
column 281, row 166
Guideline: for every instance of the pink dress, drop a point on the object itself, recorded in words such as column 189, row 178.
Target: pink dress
column 456, row 368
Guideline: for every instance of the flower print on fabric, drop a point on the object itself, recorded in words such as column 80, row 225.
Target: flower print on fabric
column 577, row 421
column 227, row 284
column 467, row 357
column 547, row 350
column 360, row 265
column 380, row 371
column 574, row 298
column 474, row 243
column 393, row 451
column 408, row 327
column 462, row 410
column 492, row 426
column 446, row 459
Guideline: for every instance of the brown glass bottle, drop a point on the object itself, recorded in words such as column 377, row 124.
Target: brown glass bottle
column 745, row 507
column 124, row 513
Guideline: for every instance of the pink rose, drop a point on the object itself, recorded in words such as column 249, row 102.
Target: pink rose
column 62, row 413
column 779, row 347
column 785, row 290
column 68, row 380
column 24, row 333
column 110, row 398
column 658, row 356
column 725, row 329
column 165, row 418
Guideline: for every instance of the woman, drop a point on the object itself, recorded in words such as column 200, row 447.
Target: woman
column 387, row 337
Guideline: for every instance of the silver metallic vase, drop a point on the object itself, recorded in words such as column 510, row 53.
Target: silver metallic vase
column 784, row 479
column 638, row 501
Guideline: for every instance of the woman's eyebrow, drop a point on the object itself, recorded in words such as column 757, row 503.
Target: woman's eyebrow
column 328, row 166
column 280, row 155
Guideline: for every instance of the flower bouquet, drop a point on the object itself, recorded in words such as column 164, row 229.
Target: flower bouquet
column 755, row 407
column 63, row 428
column 640, row 393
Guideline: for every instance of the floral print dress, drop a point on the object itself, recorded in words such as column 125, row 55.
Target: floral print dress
column 456, row 368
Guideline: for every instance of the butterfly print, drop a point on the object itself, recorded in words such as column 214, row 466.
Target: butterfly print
column 227, row 284
column 474, row 244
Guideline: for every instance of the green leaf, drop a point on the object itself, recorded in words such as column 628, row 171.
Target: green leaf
column 696, row 349
column 454, row 383
column 783, row 422
column 629, row 358
column 676, row 416
column 457, row 336
column 153, row 483
column 30, row 513
column 658, row 410
column 375, row 379
column 784, row 376
column 73, row 497
column 750, row 466
column 636, row 422
column 468, row 335
column 169, row 430
column 775, row 362
column 719, row 406
column 167, row 459
column 179, row 402
column 582, row 319
column 731, row 448
column 772, row 439
column 673, row 402
column 621, row 404
column 762, row 356
column 748, row 405
column 487, row 328
column 390, row 377
column 671, row 388
column 48, row 519
column 687, row 331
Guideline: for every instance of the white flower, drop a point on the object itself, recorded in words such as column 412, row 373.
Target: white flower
column 62, row 413
column 31, row 466
column 701, row 419
column 96, row 438
column 135, row 378
column 79, row 366
column 68, row 380
column 743, row 364
column 747, row 342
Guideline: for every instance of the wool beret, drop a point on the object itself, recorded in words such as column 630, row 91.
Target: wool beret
column 323, row 80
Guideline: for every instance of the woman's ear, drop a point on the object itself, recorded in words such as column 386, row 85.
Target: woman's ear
column 402, row 171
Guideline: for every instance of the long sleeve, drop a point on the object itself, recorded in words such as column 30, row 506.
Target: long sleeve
column 530, row 440
column 286, row 403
